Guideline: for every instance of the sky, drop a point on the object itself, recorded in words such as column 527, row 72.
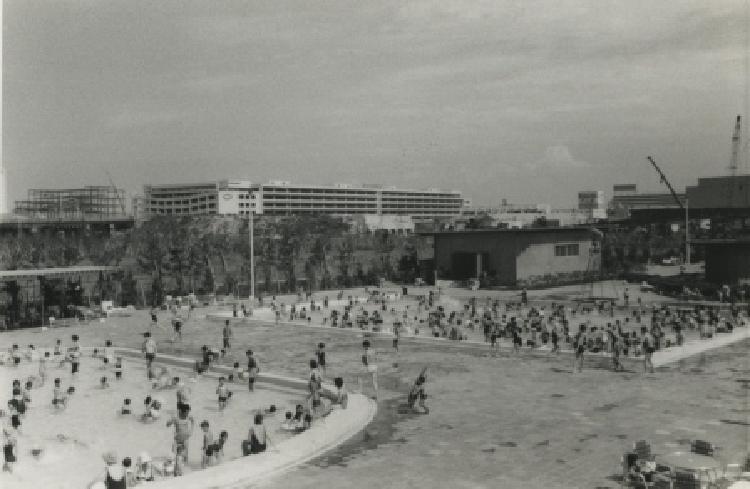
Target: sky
column 529, row 101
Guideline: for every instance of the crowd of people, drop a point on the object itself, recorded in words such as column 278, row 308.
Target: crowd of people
column 624, row 330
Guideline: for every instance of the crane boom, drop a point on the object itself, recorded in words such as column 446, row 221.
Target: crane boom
column 664, row 180
column 736, row 136
column 120, row 200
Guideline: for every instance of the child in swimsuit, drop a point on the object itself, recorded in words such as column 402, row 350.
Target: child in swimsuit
column 183, row 424
column 288, row 424
column 15, row 353
column 43, row 367
column 208, row 445
column 219, row 447
column 126, row 409
column 320, row 353
column 74, row 352
column 27, row 393
column 58, row 397
column 9, row 450
column 118, row 368
column 15, row 417
column 224, row 394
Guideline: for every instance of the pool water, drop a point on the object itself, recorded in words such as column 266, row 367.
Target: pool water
column 73, row 439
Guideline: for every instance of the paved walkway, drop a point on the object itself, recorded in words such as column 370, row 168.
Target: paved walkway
column 696, row 346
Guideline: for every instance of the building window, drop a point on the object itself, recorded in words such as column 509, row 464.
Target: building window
column 566, row 250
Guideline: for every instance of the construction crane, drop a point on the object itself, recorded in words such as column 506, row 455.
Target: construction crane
column 684, row 207
column 734, row 159
column 117, row 194
column 664, row 180
column 736, row 136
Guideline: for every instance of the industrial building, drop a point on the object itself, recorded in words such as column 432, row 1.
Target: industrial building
column 517, row 257
column 90, row 202
column 726, row 192
column 626, row 199
column 727, row 260
column 281, row 198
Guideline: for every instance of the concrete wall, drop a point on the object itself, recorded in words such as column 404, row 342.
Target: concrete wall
column 538, row 260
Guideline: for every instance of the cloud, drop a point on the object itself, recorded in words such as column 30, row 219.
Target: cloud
column 558, row 157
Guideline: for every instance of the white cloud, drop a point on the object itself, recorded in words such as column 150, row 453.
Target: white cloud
column 559, row 157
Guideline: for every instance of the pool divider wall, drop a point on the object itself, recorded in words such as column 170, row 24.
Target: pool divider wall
column 327, row 433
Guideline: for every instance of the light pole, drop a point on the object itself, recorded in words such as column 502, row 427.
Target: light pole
column 687, row 234
column 251, row 225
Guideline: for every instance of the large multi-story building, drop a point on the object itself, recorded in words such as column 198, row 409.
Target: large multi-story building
column 90, row 202
column 280, row 198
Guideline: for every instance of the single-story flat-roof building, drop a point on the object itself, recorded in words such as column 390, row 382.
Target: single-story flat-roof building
column 518, row 257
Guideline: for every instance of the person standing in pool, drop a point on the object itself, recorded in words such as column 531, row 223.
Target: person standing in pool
column 252, row 370
column 154, row 317
column 417, row 394
column 74, row 352
column 183, row 395
column 579, row 345
column 226, row 334
column 149, row 348
column 320, row 354
column 177, row 325
column 10, row 447
column 648, row 351
column 183, row 429
column 368, row 362
column 257, row 437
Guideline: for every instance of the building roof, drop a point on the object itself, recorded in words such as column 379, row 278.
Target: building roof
column 555, row 229
column 53, row 272
column 721, row 241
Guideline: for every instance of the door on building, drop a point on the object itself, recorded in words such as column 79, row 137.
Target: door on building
column 466, row 265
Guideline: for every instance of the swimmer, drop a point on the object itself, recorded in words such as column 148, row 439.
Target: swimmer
column 208, row 445
column 183, row 429
column 219, row 447
column 252, row 370
column 59, row 400
column 149, row 349
column 43, row 359
column 10, row 447
column 126, row 409
column 368, row 362
column 103, row 383
column 320, row 354
column 118, row 369
column 74, row 353
column 224, row 394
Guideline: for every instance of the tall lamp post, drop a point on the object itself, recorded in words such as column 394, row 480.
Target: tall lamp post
column 251, row 225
